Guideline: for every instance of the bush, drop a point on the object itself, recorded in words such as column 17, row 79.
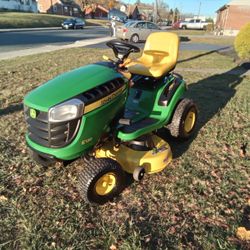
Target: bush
column 210, row 27
column 242, row 43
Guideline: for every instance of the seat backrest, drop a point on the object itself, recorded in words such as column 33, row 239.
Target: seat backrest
column 164, row 41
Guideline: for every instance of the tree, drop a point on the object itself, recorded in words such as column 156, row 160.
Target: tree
column 170, row 14
column 176, row 15
column 209, row 20
column 111, row 4
column 162, row 9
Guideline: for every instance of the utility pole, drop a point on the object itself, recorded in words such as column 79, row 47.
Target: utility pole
column 155, row 10
column 199, row 10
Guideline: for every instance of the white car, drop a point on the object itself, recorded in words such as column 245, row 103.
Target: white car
column 196, row 24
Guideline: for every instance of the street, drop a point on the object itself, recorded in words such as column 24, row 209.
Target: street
column 28, row 42
column 18, row 40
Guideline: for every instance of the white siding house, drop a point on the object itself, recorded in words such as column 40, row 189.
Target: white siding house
column 20, row 5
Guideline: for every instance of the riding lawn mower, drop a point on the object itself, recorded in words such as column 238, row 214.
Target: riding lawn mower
column 108, row 113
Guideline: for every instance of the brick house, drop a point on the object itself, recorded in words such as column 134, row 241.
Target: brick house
column 232, row 16
column 59, row 7
column 96, row 11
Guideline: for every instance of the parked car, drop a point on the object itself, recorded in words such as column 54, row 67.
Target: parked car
column 176, row 25
column 196, row 24
column 117, row 15
column 165, row 23
column 136, row 31
column 73, row 23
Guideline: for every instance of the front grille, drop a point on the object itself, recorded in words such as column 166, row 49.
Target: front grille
column 53, row 135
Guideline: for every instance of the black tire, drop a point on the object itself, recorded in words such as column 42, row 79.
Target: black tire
column 185, row 109
column 93, row 170
column 134, row 38
column 184, row 27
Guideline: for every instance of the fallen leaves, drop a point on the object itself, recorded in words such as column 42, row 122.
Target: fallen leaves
column 243, row 234
column 3, row 198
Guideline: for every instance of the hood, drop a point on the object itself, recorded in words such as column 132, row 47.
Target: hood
column 68, row 85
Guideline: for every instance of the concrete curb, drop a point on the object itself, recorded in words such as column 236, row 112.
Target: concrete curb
column 50, row 48
column 45, row 28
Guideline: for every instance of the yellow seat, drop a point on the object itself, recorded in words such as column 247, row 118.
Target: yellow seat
column 159, row 56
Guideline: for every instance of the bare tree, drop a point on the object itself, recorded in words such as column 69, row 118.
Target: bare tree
column 163, row 9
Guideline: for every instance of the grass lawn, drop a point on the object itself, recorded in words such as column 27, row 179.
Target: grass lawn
column 31, row 20
column 220, row 40
column 196, row 203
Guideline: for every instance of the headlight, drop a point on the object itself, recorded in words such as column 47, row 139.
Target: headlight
column 66, row 111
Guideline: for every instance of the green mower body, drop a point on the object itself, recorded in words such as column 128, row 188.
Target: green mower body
column 109, row 115
column 106, row 98
column 67, row 140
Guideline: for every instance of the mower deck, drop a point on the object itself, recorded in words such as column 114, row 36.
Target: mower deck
column 152, row 160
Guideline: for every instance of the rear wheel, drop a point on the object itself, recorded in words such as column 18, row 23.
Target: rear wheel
column 134, row 38
column 184, row 119
column 184, row 27
column 100, row 180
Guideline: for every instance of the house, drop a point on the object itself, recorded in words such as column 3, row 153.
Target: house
column 133, row 12
column 96, row 11
column 20, row 5
column 232, row 16
column 139, row 11
column 59, row 7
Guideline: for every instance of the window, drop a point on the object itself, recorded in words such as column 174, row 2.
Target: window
column 129, row 23
column 75, row 10
column 141, row 25
column 152, row 26
column 192, row 21
column 198, row 20
column 66, row 8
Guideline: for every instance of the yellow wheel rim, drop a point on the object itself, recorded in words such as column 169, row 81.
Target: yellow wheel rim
column 189, row 121
column 105, row 184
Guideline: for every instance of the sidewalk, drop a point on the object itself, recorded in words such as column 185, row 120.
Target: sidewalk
column 49, row 48
column 214, row 71
column 45, row 28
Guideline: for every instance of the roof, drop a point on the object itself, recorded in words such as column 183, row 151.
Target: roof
column 69, row 3
column 234, row 2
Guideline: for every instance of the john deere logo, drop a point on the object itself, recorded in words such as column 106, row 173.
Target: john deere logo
column 33, row 113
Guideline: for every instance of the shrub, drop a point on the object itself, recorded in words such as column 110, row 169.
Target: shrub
column 210, row 27
column 242, row 43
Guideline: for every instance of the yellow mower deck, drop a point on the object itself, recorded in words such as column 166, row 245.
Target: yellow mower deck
column 152, row 161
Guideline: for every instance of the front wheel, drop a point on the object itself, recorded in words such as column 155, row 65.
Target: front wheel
column 100, row 180
column 184, row 119
column 134, row 38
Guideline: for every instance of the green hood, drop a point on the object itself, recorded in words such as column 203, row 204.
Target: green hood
column 68, row 85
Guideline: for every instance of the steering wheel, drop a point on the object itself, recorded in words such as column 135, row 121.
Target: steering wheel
column 155, row 53
column 122, row 49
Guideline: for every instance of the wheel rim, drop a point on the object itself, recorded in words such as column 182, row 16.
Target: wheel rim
column 105, row 184
column 189, row 121
column 135, row 39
